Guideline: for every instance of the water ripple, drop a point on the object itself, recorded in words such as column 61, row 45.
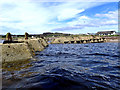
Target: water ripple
column 68, row 66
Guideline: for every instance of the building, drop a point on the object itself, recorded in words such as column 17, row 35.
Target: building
column 106, row 33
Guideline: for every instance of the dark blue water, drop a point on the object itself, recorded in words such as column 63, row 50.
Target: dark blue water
column 68, row 66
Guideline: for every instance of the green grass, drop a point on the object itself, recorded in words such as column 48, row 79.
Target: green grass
column 110, row 35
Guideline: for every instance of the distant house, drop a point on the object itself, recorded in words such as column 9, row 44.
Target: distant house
column 106, row 33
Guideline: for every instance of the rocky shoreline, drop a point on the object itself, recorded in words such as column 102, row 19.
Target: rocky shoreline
column 78, row 40
column 115, row 40
column 22, row 49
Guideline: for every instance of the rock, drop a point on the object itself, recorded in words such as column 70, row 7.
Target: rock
column 16, row 51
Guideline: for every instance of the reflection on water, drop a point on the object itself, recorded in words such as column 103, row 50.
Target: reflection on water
column 67, row 66
column 16, row 65
column 11, row 69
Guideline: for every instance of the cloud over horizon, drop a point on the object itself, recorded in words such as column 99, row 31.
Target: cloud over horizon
column 30, row 16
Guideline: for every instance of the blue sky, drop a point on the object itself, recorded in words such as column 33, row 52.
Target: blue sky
column 34, row 16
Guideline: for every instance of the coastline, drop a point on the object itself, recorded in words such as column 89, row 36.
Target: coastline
column 113, row 40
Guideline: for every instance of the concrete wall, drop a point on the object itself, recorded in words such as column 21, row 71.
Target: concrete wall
column 21, row 51
column 35, row 44
column 43, row 42
column 17, row 51
column 80, row 39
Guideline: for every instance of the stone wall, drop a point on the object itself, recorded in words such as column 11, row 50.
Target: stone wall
column 80, row 39
column 44, row 42
column 23, row 50
column 35, row 44
column 17, row 51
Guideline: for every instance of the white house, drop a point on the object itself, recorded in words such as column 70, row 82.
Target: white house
column 106, row 33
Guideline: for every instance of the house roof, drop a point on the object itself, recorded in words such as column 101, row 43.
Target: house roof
column 105, row 32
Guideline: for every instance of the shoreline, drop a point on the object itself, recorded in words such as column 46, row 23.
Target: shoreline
column 115, row 40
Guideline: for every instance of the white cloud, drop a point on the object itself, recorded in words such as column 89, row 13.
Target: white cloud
column 110, row 14
column 82, row 20
column 109, row 22
column 34, row 17
column 68, row 13
column 76, row 0
column 83, row 17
